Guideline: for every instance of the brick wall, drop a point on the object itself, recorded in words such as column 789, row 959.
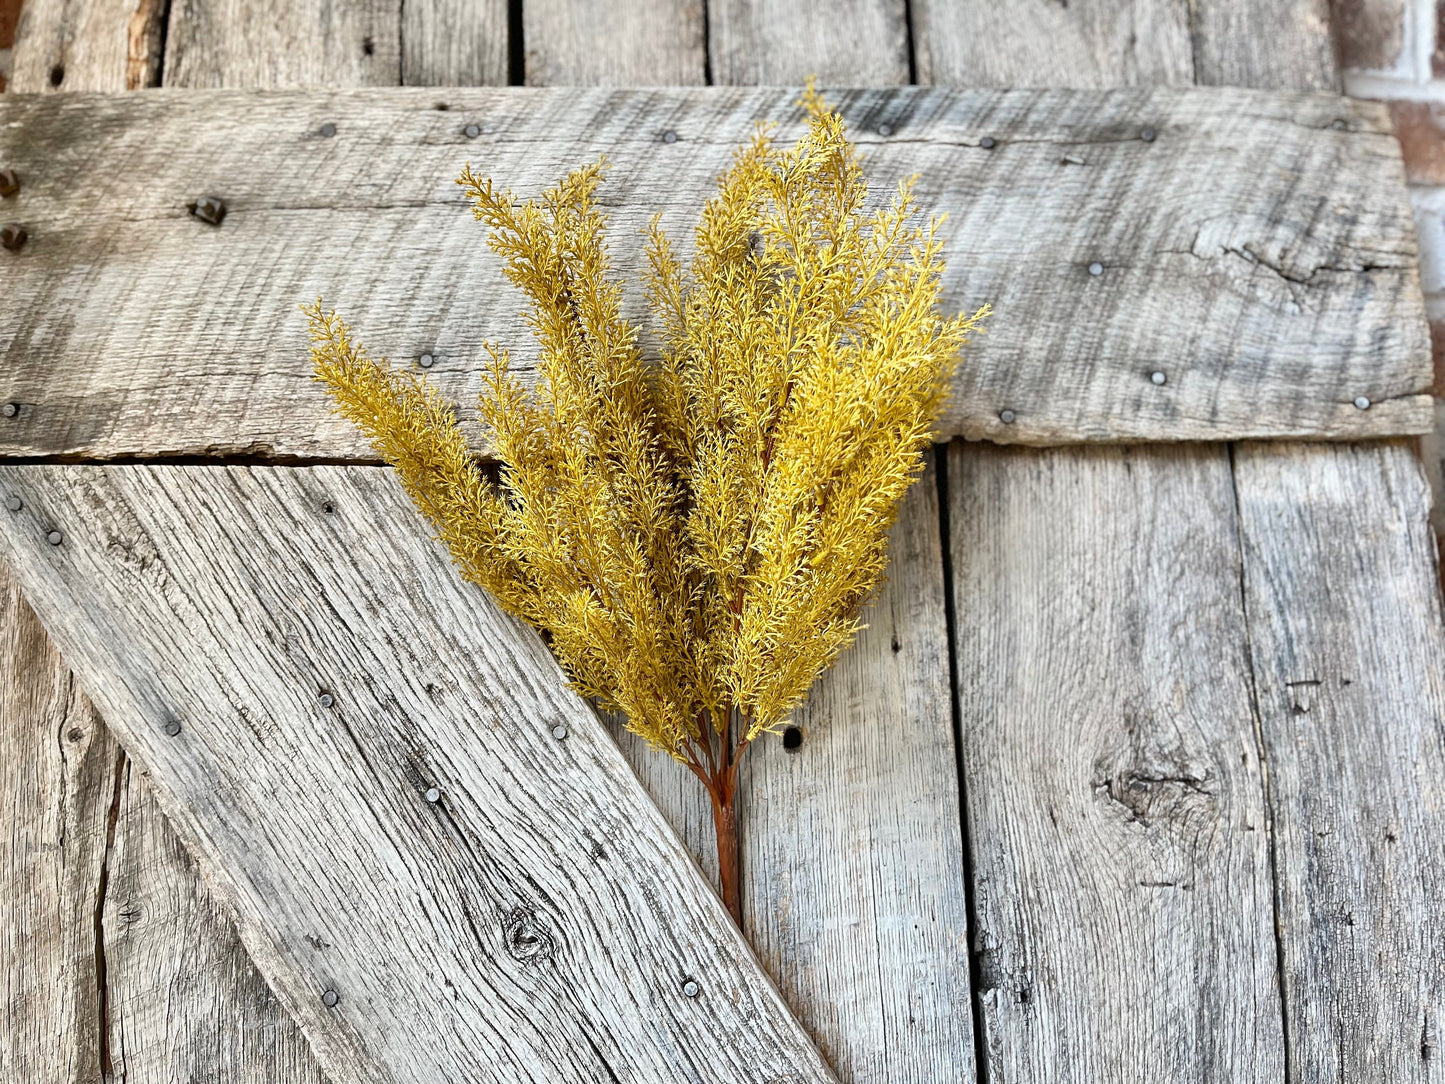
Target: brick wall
column 9, row 16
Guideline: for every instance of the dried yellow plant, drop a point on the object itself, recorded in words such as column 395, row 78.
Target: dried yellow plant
column 696, row 534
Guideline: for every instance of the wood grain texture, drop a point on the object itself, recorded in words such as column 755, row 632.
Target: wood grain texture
column 1260, row 258
column 859, row 43
column 95, row 45
column 1044, row 43
column 1348, row 655
column 1117, row 813
column 1269, row 44
column 451, row 43
column 614, row 42
column 242, row 43
column 539, row 922
column 853, row 857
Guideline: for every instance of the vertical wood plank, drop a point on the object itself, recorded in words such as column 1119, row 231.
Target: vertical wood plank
column 854, row 43
column 1120, row 839
column 1269, row 44
column 1045, row 43
column 242, row 43
column 454, row 43
column 1340, row 579
column 87, row 45
column 614, row 42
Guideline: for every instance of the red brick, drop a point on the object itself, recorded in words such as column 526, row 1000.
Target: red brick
column 1421, row 128
column 1437, row 347
column 1368, row 33
column 9, row 17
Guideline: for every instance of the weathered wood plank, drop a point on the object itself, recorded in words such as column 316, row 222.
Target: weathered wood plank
column 1260, row 259
column 1348, row 654
column 1120, row 837
column 853, row 857
column 1269, row 44
column 74, row 45
column 451, row 43
column 242, row 43
column 614, row 42
column 1044, row 43
column 859, row 43
column 539, row 921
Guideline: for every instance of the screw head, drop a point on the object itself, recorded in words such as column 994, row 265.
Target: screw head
column 433, row 795
column 13, row 236
column 885, row 130
column 328, row 129
column 1007, row 416
column 471, row 131
column 10, row 410
column 669, row 136
column 559, row 732
column 326, row 700
column 690, row 988
column 329, row 998
column 426, row 361
column 1338, row 124
column 14, row 504
column 210, row 210
column 172, row 727
column 9, row 182
column 1157, row 377
column 1362, row 403
column 55, row 538
column 1096, row 268
column 1148, row 135
column 988, row 143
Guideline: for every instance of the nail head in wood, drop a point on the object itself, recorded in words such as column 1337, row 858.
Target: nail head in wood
column 328, row 129
column 172, row 727
column 426, row 361
column 1338, row 124
column 1096, row 268
column 1362, row 403
column 471, row 131
column 10, row 410
column 433, row 795
column 885, row 130
column 326, row 700
column 13, row 237
column 55, row 538
column 559, row 732
column 988, row 143
column 690, row 988
column 1158, row 377
column 1148, row 135
column 1007, row 416
column 209, row 209
column 14, row 504
column 669, row 136
column 330, row 998
column 9, row 182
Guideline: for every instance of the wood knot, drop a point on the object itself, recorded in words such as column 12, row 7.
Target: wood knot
column 525, row 938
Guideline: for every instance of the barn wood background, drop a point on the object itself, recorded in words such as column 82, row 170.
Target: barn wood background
column 1209, row 849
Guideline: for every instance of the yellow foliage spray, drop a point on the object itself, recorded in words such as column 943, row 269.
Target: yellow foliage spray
column 696, row 535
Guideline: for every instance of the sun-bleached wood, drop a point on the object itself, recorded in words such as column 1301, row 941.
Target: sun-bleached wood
column 859, row 43
column 74, row 45
column 451, row 43
column 1117, row 813
column 614, row 42
column 1261, row 259
column 853, row 857
column 1348, row 653
column 1269, row 44
column 539, row 921
column 243, row 43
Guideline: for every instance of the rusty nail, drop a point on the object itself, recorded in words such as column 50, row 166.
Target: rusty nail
column 1158, row 377
column 14, row 504
column 173, row 727
column 13, row 236
column 209, row 209
column 10, row 410
column 326, row 700
column 669, row 136
column 559, row 732
column 328, row 129
column 471, row 131
column 426, row 361
column 1147, row 134
column 1362, row 403
column 433, row 795
column 9, row 182
column 1007, row 416
column 690, row 988
column 55, row 538
column 988, row 143
column 329, row 998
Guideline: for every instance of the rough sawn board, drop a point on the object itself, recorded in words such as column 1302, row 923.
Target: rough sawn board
column 297, row 665
column 1256, row 250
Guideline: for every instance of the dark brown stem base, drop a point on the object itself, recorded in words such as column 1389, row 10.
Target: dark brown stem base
column 729, row 858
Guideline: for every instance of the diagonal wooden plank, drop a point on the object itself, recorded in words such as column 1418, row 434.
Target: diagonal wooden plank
column 298, row 666
column 1257, row 257
column 1115, row 802
column 1347, row 644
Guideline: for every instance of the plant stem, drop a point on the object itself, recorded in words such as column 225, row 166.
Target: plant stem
column 729, row 857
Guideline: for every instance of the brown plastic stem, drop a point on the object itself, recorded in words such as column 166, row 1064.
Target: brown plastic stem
column 729, row 858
